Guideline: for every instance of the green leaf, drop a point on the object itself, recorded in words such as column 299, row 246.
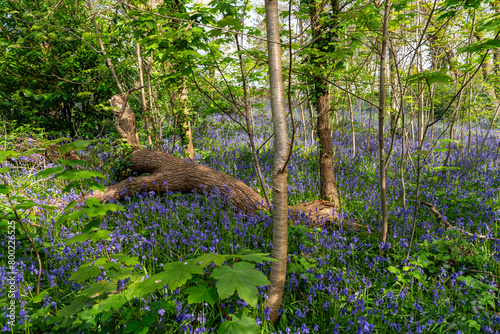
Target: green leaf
column 98, row 289
column 7, row 154
column 258, row 257
column 49, row 171
column 112, row 302
column 206, row 259
column 174, row 275
column 146, row 321
column 201, row 293
column 125, row 259
column 478, row 47
column 77, row 144
column 241, row 277
column 73, row 175
column 38, row 298
column 75, row 306
column 132, row 326
column 4, row 189
column 94, row 236
column 85, row 272
column 240, row 324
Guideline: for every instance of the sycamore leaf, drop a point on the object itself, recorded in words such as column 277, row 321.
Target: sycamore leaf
column 84, row 273
column 258, row 257
column 98, row 289
column 240, row 324
column 72, row 175
column 94, row 236
column 112, row 301
column 201, row 293
column 75, row 306
column 174, row 275
column 241, row 277
column 48, row 171
column 206, row 259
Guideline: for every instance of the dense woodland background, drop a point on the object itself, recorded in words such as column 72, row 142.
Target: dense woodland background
column 147, row 146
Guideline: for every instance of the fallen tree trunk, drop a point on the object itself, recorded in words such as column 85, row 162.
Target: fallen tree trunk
column 183, row 176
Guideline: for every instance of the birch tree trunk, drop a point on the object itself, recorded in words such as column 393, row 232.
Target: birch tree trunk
column 279, row 171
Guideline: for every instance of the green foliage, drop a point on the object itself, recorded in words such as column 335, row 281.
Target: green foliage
column 121, row 167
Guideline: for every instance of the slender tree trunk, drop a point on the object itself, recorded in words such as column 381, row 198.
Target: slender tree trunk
column 280, row 170
column 351, row 114
column 179, row 98
column 143, row 94
column 371, row 106
column 303, row 120
column 381, row 115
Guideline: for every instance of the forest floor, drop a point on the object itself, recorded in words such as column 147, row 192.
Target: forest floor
column 337, row 282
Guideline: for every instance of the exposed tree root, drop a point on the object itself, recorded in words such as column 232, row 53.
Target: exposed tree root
column 322, row 214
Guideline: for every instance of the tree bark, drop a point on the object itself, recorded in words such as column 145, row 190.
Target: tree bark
column 381, row 114
column 174, row 174
column 327, row 182
column 279, row 170
column 125, row 120
column 143, row 94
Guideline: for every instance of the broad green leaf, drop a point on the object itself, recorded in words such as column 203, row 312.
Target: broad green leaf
column 240, row 324
column 115, row 301
column 174, row 275
column 443, row 168
column 38, row 298
column 98, row 289
column 258, row 257
column 146, row 321
column 72, row 163
column 125, row 259
column 85, row 272
column 49, row 171
column 7, row 154
column 4, row 189
column 132, row 327
column 206, row 259
column 201, row 293
column 94, row 236
column 73, row 175
column 177, row 273
column 77, row 144
column 241, row 277
column 76, row 305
